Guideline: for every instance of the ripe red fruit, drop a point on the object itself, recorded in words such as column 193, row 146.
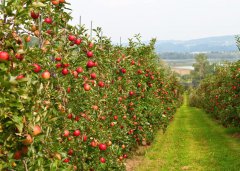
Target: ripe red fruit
column 28, row 38
column 65, row 71
column 66, row 160
column 112, row 124
column 68, row 89
column 132, row 62
column 76, row 133
column 37, row 130
column 66, row 65
column 101, row 84
column 37, row 68
column 95, row 107
column 86, row 87
column 115, row 117
column 46, row 75
column 91, row 44
column 58, row 65
column 102, row 147
column 24, row 150
column 123, row 70
column 139, row 71
column 84, row 138
column 78, row 41
column 28, row 140
column 89, row 54
column 93, row 75
column 66, row 133
column 49, row 32
column 75, row 74
column 19, row 56
column 61, row 1
column 55, row 2
column 48, row 20
column 125, row 156
column 70, row 152
column 70, row 115
column 4, row 56
column 131, row 93
column 77, row 118
column 102, row 160
column 94, row 144
column 58, row 58
column 34, row 15
column 71, row 38
column 19, row 77
column 90, row 64
column 17, row 155
column 79, row 70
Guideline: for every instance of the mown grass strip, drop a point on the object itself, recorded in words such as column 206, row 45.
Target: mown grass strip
column 193, row 141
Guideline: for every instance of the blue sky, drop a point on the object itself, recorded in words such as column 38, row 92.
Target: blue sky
column 163, row 19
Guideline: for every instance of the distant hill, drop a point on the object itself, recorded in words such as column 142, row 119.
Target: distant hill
column 209, row 44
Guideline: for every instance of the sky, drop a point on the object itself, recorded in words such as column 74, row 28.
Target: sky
column 161, row 19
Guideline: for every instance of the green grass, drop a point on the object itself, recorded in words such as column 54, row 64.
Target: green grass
column 194, row 142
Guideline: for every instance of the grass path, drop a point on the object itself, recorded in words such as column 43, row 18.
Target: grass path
column 194, row 142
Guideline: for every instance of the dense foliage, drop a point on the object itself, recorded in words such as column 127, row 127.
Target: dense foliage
column 219, row 94
column 72, row 102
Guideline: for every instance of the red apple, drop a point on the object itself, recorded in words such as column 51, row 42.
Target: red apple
column 68, row 90
column 132, row 62
column 91, row 44
column 87, row 87
column 48, row 20
column 101, row 84
column 24, row 150
column 93, row 75
column 58, row 58
column 55, row 2
column 84, row 138
column 93, row 143
column 58, row 65
column 19, row 56
column 70, row 115
column 70, row 152
column 36, row 130
column 17, row 155
column 37, row 68
column 102, row 160
column 4, row 56
column 90, row 64
column 115, row 117
column 131, row 93
column 76, row 133
column 66, row 160
column 123, row 70
column 65, row 71
column 79, row 70
column 46, row 75
column 28, row 140
column 71, row 38
column 19, row 77
column 78, row 41
column 102, row 147
column 89, row 54
column 66, row 133
column 34, row 15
